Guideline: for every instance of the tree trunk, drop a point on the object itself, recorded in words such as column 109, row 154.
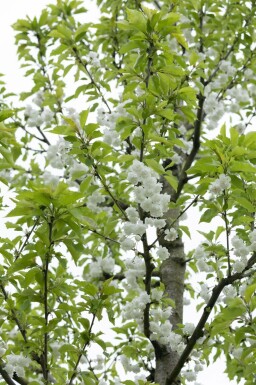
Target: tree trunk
column 172, row 275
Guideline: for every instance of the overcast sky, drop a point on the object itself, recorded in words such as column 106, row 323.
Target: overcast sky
column 11, row 10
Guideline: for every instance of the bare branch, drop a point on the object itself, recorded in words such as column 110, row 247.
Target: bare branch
column 198, row 332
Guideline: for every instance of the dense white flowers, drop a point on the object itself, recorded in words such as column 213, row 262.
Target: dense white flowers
column 94, row 200
column 229, row 293
column 132, row 214
column 135, row 268
column 2, row 348
column 101, row 266
column 109, row 120
column 176, row 158
column 202, row 257
column 242, row 251
column 189, row 375
column 93, row 59
column 35, row 117
column 16, row 363
column 161, row 329
column 226, row 67
column 252, row 238
column 138, row 228
column 148, row 193
column 135, row 309
column 219, row 185
column 58, row 154
column 155, row 222
column 162, row 253
column 127, row 244
column 204, row 293
column 188, row 328
column 171, row 234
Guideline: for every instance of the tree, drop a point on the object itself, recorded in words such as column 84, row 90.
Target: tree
column 100, row 160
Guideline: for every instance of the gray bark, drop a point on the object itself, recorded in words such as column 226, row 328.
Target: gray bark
column 172, row 275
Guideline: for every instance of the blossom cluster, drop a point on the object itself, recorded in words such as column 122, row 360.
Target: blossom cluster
column 135, row 309
column 109, row 119
column 241, row 251
column 15, row 363
column 58, row 157
column 202, row 257
column 219, row 185
column 101, row 266
column 147, row 190
column 35, row 117
column 161, row 330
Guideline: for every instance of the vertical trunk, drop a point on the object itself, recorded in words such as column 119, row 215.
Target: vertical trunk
column 172, row 275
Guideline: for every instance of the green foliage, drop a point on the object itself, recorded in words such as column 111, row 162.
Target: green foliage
column 89, row 177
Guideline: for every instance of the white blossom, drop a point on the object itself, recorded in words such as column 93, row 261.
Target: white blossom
column 189, row 375
column 237, row 352
column 156, row 294
column 16, row 363
column 204, row 293
column 77, row 170
column 188, row 328
column 127, row 244
column 229, row 293
column 162, row 253
column 108, row 265
column 50, row 179
column 93, row 57
column 132, row 214
column 148, row 193
column 155, row 222
column 47, row 115
column 94, row 200
column 176, row 158
column 38, row 99
column 171, row 234
column 3, row 348
column 220, row 184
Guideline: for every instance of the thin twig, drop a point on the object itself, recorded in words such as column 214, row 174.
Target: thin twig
column 82, row 352
column 178, row 217
column 157, row 5
column 28, row 235
column 84, row 65
column 227, row 239
column 14, row 316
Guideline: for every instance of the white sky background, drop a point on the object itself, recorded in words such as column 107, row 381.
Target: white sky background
column 11, row 10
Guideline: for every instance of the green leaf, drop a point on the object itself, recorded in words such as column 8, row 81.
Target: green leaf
column 166, row 113
column 137, row 20
column 172, row 180
column 81, row 31
column 83, row 117
column 208, row 215
column 246, row 204
column 155, row 166
column 237, row 166
column 249, row 291
column 5, row 114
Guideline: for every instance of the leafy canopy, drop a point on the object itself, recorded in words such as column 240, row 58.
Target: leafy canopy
column 99, row 161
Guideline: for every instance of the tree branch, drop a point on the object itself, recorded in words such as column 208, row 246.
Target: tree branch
column 6, row 377
column 82, row 351
column 28, row 235
column 198, row 332
column 84, row 65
